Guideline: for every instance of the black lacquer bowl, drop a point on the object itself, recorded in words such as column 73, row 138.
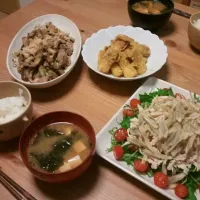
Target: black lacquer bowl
column 150, row 21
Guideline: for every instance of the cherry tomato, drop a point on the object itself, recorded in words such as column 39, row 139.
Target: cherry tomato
column 132, row 148
column 165, row 88
column 134, row 103
column 181, row 191
column 118, row 152
column 128, row 112
column 199, row 187
column 180, row 96
column 121, row 134
column 141, row 166
column 161, row 180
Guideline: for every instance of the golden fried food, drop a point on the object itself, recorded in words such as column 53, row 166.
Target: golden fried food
column 124, row 57
column 107, row 57
column 129, row 71
column 124, row 38
column 116, row 70
column 119, row 45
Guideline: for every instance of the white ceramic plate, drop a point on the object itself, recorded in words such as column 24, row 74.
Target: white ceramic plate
column 103, row 38
column 62, row 23
column 104, row 138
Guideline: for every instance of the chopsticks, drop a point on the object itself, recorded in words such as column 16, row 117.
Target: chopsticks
column 181, row 13
column 16, row 190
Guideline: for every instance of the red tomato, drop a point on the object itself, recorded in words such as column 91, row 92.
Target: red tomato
column 134, row 103
column 128, row 112
column 165, row 88
column 181, row 191
column 121, row 134
column 132, row 148
column 161, row 180
column 180, row 96
column 118, row 152
column 199, row 187
column 141, row 166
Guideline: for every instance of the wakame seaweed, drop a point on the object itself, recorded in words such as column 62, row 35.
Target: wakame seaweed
column 49, row 132
column 53, row 160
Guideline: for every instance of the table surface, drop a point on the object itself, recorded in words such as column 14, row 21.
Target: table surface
column 83, row 92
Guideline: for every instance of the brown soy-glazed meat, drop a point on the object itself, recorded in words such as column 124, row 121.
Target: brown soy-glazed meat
column 45, row 54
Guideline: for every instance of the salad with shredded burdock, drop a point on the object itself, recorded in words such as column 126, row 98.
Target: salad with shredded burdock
column 160, row 137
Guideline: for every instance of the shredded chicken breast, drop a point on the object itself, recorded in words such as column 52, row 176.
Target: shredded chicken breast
column 168, row 131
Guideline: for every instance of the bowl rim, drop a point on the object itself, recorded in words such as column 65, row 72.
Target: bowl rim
column 28, row 104
column 147, row 14
column 190, row 21
column 34, row 170
column 57, row 78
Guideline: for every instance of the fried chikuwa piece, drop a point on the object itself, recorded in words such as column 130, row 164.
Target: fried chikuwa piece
column 116, row 70
column 107, row 57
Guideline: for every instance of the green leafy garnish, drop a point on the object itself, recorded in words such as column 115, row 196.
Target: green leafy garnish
column 192, row 186
column 150, row 173
column 125, row 123
column 148, row 97
column 129, row 158
column 197, row 98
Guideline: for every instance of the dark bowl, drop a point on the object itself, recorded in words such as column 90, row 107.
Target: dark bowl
column 150, row 21
column 45, row 120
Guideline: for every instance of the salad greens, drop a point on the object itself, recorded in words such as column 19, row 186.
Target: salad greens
column 147, row 98
column 192, row 181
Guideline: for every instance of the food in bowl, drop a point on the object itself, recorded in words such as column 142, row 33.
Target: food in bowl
column 150, row 7
column 150, row 21
column 159, row 137
column 197, row 23
column 59, row 147
column 12, row 107
column 44, row 55
column 124, row 57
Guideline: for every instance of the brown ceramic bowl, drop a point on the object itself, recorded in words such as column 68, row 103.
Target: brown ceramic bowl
column 16, row 126
column 193, row 32
column 41, row 122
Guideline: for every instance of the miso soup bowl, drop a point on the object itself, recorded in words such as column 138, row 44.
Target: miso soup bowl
column 149, row 21
column 43, row 121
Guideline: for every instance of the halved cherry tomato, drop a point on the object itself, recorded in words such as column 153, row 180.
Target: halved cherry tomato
column 165, row 88
column 161, row 180
column 128, row 112
column 199, row 187
column 180, row 96
column 141, row 166
column 118, row 152
column 181, row 191
column 121, row 134
column 134, row 103
column 132, row 148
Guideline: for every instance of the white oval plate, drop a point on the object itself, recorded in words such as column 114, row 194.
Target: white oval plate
column 61, row 22
column 103, row 38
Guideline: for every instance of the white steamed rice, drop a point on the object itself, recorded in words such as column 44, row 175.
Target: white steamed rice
column 197, row 24
column 11, row 107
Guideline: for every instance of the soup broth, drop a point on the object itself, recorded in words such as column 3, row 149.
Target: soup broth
column 59, row 147
column 150, row 7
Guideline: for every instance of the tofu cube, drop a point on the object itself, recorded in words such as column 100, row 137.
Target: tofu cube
column 75, row 161
column 67, row 131
column 65, row 167
column 79, row 146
